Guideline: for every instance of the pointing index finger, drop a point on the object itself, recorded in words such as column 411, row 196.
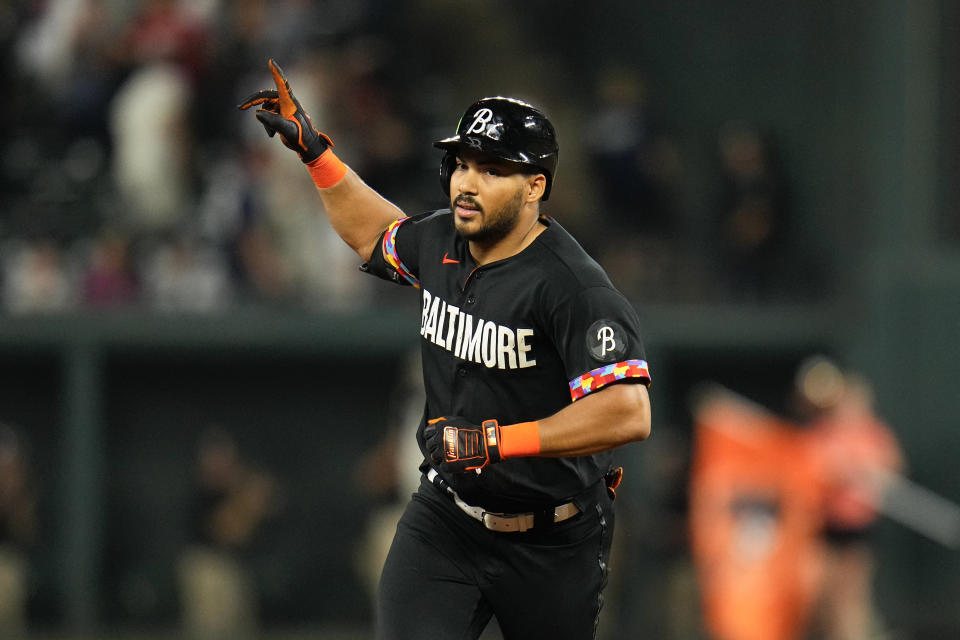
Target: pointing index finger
column 287, row 106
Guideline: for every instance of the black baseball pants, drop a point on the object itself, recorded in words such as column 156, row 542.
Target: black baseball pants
column 446, row 575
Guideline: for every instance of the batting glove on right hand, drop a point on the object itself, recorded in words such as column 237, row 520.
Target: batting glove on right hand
column 280, row 112
column 457, row 445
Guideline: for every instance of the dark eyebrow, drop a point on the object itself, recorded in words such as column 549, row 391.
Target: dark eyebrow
column 492, row 161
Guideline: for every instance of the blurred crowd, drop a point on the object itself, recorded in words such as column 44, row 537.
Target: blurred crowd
column 748, row 524
column 129, row 178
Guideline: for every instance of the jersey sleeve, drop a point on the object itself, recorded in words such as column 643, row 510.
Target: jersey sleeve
column 397, row 256
column 598, row 335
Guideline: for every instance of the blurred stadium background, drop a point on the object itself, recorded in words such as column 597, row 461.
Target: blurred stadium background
column 765, row 180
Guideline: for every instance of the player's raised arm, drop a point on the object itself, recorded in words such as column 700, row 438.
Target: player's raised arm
column 357, row 213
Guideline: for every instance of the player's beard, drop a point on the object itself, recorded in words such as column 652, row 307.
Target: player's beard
column 495, row 225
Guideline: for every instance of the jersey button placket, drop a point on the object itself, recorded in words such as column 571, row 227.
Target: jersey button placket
column 463, row 370
column 475, row 275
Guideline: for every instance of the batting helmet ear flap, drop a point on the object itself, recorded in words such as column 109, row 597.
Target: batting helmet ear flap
column 447, row 165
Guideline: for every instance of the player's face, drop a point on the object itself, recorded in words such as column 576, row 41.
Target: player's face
column 486, row 197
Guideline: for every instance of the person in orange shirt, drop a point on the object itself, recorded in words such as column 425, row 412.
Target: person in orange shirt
column 755, row 521
column 856, row 454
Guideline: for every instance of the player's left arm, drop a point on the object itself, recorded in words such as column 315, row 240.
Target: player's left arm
column 598, row 334
column 608, row 418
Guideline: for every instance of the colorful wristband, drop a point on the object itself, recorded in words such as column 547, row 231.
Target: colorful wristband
column 520, row 439
column 326, row 169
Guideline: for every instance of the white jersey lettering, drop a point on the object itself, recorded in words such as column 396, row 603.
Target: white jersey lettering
column 431, row 330
column 506, row 352
column 523, row 349
column 474, row 339
column 441, row 317
column 462, row 319
column 472, row 343
column 452, row 312
column 489, row 348
column 426, row 311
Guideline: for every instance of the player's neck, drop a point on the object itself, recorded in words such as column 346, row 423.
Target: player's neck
column 522, row 235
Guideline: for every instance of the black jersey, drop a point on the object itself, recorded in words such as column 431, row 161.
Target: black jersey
column 516, row 340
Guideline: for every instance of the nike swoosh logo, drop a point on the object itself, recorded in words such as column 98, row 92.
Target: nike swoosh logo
column 447, row 260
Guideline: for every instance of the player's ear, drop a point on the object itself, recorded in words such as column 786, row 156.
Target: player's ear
column 535, row 186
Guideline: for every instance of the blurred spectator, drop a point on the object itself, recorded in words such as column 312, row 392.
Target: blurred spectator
column 855, row 450
column 17, row 522
column 232, row 503
column 168, row 31
column 263, row 268
column 109, row 279
column 755, row 521
column 388, row 473
column 636, row 166
column 67, row 49
column 151, row 143
column 47, row 43
column 235, row 217
column 184, row 275
column 166, row 48
column 751, row 215
column 382, row 129
column 36, row 277
column 96, row 67
column 622, row 139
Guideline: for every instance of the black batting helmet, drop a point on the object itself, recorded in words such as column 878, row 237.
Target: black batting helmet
column 504, row 128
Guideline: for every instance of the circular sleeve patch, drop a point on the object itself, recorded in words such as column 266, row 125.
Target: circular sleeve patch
column 606, row 341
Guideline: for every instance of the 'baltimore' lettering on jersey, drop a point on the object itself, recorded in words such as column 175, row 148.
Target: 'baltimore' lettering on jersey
column 474, row 339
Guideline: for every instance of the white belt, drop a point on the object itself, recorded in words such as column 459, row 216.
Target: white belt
column 505, row 522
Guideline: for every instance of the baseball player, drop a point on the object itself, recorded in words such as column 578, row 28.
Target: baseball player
column 534, row 372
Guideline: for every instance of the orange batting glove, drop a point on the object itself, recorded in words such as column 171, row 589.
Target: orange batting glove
column 455, row 444
column 281, row 112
